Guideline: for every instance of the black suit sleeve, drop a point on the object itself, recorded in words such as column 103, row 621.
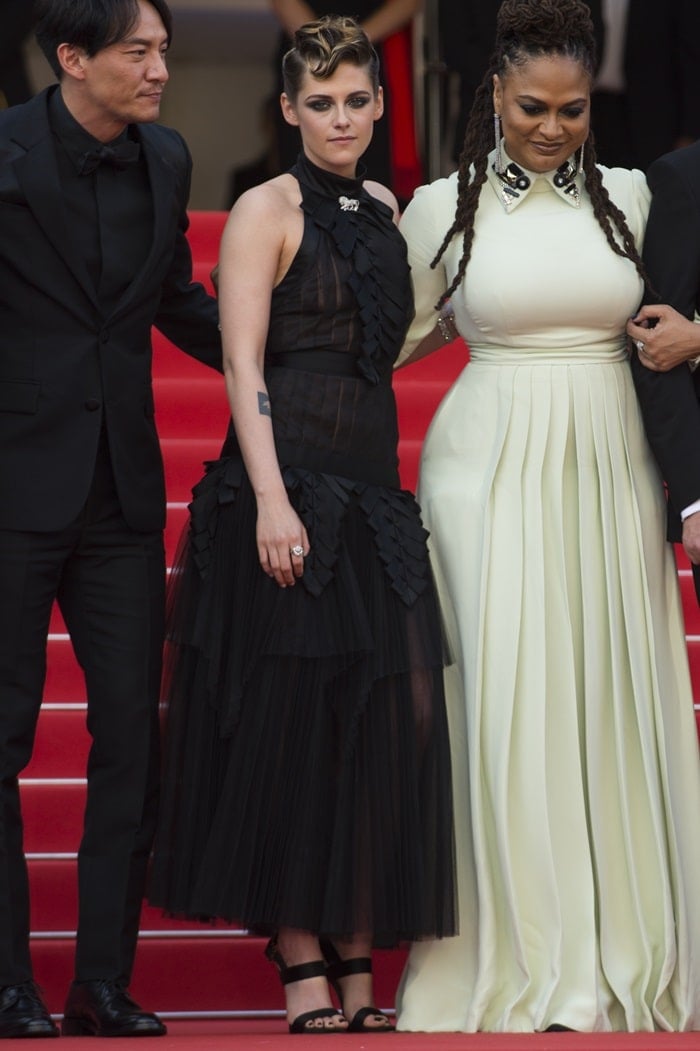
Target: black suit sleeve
column 669, row 400
column 187, row 314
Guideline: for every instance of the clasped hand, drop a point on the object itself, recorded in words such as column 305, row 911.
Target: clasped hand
column 663, row 337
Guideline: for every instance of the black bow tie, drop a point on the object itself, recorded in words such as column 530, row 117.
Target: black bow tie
column 119, row 157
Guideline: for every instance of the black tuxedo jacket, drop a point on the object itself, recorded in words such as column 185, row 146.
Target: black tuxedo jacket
column 68, row 366
column 669, row 400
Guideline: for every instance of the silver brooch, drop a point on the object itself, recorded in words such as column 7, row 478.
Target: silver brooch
column 514, row 181
column 565, row 180
column 348, row 204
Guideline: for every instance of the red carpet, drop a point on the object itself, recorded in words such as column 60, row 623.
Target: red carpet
column 186, row 969
column 270, row 1036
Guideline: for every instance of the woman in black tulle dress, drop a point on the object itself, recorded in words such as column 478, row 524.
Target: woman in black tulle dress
column 307, row 782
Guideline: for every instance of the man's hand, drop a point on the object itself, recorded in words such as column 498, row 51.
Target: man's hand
column 691, row 537
column 663, row 337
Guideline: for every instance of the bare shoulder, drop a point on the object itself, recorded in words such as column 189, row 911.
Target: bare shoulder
column 265, row 219
column 383, row 194
column 264, row 228
column 272, row 198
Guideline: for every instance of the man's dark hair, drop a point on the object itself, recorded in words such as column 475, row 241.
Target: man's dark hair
column 89, row 24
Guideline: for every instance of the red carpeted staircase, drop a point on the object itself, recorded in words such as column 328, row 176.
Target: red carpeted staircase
column 187, row 969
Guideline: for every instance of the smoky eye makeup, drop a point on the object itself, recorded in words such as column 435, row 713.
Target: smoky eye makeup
column 319, row 103
column 532, row 106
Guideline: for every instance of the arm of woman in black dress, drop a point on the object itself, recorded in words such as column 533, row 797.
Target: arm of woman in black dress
column 258, row 243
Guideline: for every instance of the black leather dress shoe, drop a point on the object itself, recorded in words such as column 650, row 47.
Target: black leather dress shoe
column 23, row 1013
column 104, row 1008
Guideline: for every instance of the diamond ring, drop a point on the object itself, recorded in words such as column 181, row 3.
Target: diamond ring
column 297, row 551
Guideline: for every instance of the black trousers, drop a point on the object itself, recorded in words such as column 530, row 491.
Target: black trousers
column 109, row 583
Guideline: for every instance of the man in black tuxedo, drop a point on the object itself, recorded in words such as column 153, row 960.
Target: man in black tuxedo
column 666, row 340
column 92, row 253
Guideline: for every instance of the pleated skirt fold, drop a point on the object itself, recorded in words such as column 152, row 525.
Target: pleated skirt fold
column 306, row 778
column 575, row 757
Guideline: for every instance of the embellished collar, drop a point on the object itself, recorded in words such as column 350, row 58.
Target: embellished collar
column 514, row 184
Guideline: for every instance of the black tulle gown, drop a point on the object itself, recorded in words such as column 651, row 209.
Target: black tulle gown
column 306, row 772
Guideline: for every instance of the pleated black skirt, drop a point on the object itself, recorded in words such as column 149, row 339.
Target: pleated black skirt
column 306, row 777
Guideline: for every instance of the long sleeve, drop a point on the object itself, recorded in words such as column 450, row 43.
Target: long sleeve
column 424, row 224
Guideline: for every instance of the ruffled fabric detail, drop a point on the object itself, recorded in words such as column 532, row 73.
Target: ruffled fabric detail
column 361, row 236
column 322, row 502
column 218, row 486
column 401, row 539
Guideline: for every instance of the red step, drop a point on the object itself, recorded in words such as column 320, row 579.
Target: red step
column 218, row 972
column 61, row 744
column 169, row 360
column 445, row 365
column 682, row 560
column 691, row 609
column 204, row 236
column 64, row 677
column 416, row 404
column 183, row 459
column 196, row 406
column 57, row 625
column 693, row 642
column 53, row 815
column 55, row 908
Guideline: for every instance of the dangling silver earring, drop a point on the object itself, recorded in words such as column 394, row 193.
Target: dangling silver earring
column 498, row 163
column 580, row 159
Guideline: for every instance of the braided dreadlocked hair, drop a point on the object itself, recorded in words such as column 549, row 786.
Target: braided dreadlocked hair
column 529, row 29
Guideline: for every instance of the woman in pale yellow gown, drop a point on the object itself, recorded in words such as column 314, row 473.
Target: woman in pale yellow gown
column 577, row 795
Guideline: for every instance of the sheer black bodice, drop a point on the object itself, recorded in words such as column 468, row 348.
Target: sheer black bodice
column 337, row 322
column 350, row 275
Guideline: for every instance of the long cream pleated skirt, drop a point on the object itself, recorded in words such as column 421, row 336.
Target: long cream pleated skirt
column 577, row 790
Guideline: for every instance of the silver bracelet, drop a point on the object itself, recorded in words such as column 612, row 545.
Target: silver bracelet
column 446, row 326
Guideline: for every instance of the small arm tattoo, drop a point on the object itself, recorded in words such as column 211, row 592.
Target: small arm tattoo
column 264, row 404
